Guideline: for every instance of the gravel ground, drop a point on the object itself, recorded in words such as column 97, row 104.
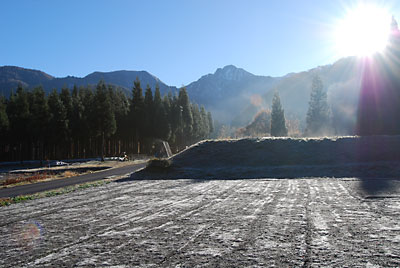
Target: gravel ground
column 313, row 222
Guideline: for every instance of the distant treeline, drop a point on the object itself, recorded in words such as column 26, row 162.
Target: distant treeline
column 91, row 122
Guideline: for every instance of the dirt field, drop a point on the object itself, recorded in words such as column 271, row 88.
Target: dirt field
column 317, row 222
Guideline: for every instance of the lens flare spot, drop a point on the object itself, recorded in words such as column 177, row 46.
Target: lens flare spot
column 29, row 234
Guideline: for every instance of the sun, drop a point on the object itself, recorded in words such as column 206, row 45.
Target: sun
column 363, row 31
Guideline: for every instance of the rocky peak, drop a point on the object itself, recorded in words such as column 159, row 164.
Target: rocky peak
column 231, row 73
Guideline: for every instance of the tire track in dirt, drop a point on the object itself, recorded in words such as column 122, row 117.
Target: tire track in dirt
column 10, row 232
column 90, row 195
column 93, row 220
column 191, row 252
column 275, row 236
column 284, row 243
column 346, row 229
column 309, row 222
column 147, row 231
column 57, row 227
column 67, row 249
column 308, row 233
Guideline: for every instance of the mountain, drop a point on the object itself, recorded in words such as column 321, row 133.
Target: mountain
column 229, row 90
column 11, row 76
column 233, row 95
column 341, row 80
column 341, row 77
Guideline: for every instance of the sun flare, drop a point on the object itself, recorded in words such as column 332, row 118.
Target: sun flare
column 363, row 31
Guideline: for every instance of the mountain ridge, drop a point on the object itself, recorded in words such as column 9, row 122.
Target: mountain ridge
column 12, row 76
column 232, row 94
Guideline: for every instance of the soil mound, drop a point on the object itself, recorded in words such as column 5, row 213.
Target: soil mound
column 286, row 158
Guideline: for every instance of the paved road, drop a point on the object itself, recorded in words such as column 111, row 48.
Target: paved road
column 50, row 185
column 314, row 222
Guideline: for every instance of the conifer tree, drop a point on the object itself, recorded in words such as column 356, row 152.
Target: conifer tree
column 39, row 111
column 197, row 123
column 4, row 123
column 278, row 123
column 205, row 129
column 187, row 117
column 166, row 123
column 36, row 126
column 149, row 113
column 76, row 123
column 105, row 118
column 137, row 112
column 210, row 122
column 65, row 97
column 318, row 114
column 158, row 113
column 58, row 122
column 89, row 116
column 120, row 105
column 176, row 118
column 19, row 120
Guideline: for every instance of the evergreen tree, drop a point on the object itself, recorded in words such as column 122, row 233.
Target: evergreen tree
column 205, row 128
column 166, row 123
column 137, row 112
column 58, row 122
column 19, row 120
column 149, row 113
column 65, row 97
column 76, row 124
column 120, row 104
column 88, row 127
column 176, row 117
column 36, row 126
column 105, row 117
column 318, row 114
column 210, row 122
column 4, row 123
column 197, row 123
column 278, row 123
column 39, row 111
column 187, row 117
column 160, row 119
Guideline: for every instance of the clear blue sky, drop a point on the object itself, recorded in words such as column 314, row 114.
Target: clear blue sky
column 177, row 41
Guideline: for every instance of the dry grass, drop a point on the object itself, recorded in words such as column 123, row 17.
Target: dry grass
column 69, row 173
column 30, row 179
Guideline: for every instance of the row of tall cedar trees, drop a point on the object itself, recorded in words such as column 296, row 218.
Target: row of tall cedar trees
column 91, row 123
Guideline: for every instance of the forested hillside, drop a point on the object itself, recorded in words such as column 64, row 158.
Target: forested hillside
column 93, row 122
column 12, row 76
